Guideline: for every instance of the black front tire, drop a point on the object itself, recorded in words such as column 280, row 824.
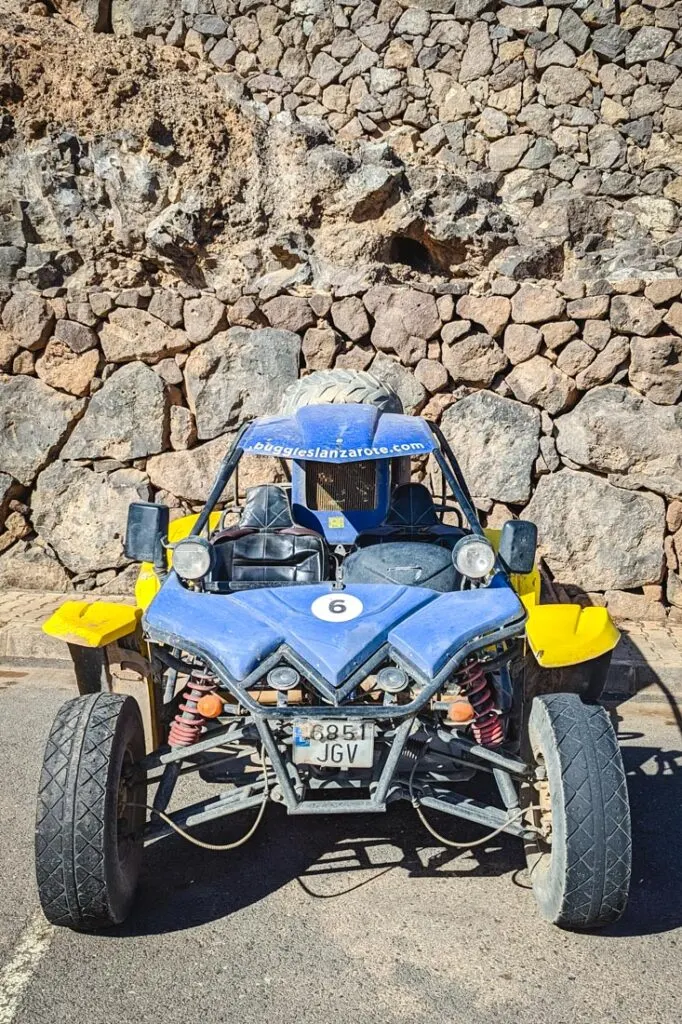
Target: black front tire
column 87, row 848
column 580, row 871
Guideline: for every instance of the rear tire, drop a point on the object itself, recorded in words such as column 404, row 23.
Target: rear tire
column 340, row 386
column 87, row 860
column 580, row 871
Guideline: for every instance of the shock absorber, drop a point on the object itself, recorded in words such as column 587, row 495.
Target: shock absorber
column 187, row 725
column 487, row 726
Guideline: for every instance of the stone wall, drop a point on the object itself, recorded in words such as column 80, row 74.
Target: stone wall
column 572, row 112
column 479, row 201
column 559, row 398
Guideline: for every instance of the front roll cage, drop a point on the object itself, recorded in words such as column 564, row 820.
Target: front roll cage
column 442, row 452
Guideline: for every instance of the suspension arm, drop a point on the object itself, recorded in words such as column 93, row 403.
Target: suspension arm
column 464, row 807
column 208, row 810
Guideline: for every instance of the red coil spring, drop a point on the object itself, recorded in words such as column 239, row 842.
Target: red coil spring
column 187, row 725
column 487, row 725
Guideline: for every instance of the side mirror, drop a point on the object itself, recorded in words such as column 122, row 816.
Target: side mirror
column 146, row 531
column 518, row 544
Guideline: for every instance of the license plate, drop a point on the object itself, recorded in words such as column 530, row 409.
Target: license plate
column 338, row 743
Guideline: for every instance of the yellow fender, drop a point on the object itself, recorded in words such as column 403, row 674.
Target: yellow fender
column 560, row 635
column 148, row 584
column 567, row 634
column 92, row 624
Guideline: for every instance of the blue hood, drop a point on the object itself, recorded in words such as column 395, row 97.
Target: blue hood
column 339, row 433
column 240, row 630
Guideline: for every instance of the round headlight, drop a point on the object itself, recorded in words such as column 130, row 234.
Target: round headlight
column 192, row 558
column 391, row 679
column 473, row 557
column 283, row 677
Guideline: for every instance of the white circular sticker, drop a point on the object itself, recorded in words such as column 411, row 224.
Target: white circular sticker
column 336, row 607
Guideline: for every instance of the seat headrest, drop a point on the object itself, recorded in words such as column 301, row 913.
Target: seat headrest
column 267, row 508
column 412, row 505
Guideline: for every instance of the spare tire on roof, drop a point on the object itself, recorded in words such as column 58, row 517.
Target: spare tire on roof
column 340, row 386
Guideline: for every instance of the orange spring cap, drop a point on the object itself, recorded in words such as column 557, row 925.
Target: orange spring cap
column 210, row 705
column 460, row 711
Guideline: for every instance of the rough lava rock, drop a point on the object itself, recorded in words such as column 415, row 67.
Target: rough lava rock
column 400, row 314
column 614, row 430
column 28, row 319
column 496, row 441
column 634, row 314
column 31, row 567
column 6, row 488
column 203, row 317
column 126, row 419
column 34, row 422
column 597, row 536
column 656, row 368
column 476, row 359
column 534, row 304
column 239, row 374
column 134, row 334
column 403, row 381
column 69, row 499
column 189, row 475
column 60, row 367
column 539, row 382
column 386, row 182
column 492, row 312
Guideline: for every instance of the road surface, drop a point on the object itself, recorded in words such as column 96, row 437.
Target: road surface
column 342, row 920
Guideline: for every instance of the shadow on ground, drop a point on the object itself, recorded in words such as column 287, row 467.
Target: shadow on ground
column 183, row 887
column 329, row 856
column 655, row 787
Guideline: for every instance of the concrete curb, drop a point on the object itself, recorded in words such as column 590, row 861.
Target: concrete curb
column 646, row 666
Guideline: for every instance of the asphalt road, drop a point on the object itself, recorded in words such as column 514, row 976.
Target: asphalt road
column 341, row 920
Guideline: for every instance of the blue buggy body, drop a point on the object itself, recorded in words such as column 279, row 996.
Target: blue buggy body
column 420, row 627
column 339, row 435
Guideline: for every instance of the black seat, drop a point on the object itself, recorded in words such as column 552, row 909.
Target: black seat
column 267, row 508
column 412, row 508
column 403, row 562
column 266, row 549
column 412, row 516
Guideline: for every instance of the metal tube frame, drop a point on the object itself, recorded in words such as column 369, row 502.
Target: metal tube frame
column 260, row 720
column 335, row 697
column 227, row 468
column 442, row 451
column 384, row 787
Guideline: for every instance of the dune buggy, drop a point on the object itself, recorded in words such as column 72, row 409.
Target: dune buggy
column 334, row 644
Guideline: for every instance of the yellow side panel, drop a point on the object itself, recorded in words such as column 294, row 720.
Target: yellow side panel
column 566, row 634
column 148, row 584
column 179, row 528
column 493, row 536
column 93, row 624
column 526, row 585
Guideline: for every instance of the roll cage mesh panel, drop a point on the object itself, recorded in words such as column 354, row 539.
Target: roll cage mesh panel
column 333, row 487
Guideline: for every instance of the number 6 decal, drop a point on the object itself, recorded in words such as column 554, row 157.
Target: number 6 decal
column 336, row 607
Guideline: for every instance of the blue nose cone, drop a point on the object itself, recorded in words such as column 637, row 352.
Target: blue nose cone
column 333, row 631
